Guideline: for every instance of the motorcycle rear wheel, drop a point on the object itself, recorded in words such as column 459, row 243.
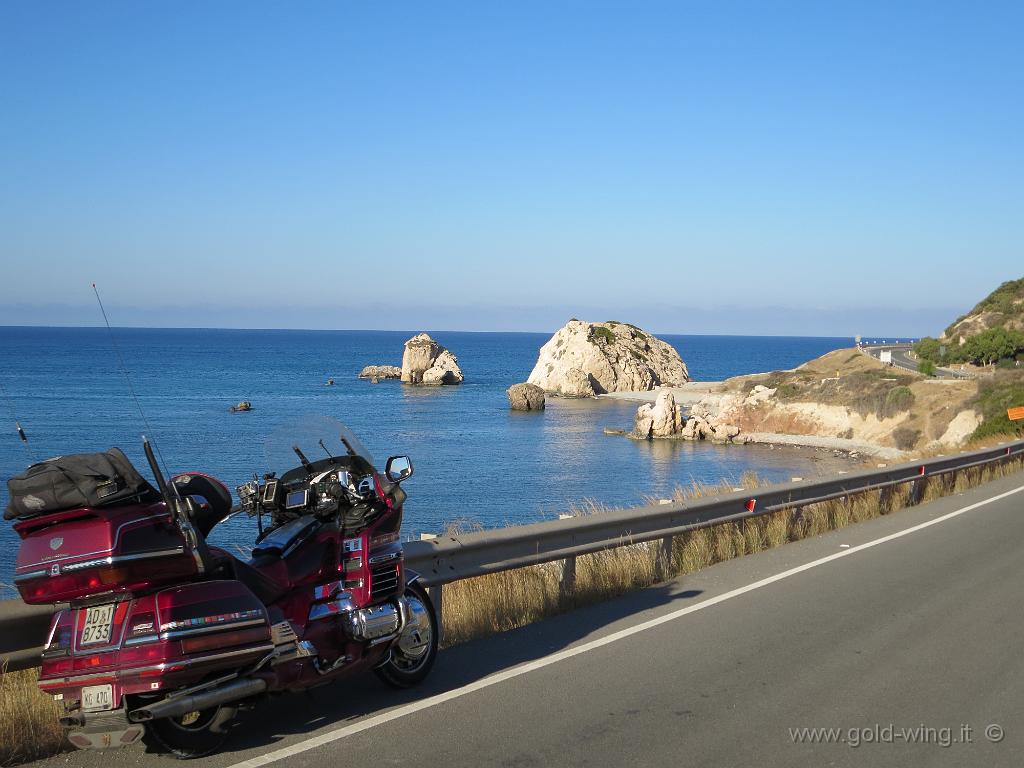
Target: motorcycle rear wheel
column 413, row 656
column 195, row 734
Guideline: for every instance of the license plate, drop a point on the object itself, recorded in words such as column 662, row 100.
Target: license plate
column 96, row 698
column 97, row 624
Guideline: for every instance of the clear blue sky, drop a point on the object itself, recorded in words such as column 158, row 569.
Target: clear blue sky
column 817, row 168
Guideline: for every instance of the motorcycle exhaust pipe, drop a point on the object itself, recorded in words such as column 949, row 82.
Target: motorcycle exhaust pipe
column 176, row 706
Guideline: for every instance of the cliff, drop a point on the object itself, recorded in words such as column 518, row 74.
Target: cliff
column 848, row 395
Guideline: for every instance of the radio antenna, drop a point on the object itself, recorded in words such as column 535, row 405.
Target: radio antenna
column 17, row 424
column 124, row 372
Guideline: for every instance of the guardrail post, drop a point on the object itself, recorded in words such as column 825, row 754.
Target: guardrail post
column 917, row 490
column 436, row 596
column 568, row 582
column 664, row 558
column 885, row 499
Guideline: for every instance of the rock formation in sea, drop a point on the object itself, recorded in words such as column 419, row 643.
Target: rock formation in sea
column 526, row 397
column 424, row 361
column 585, row 359
column 666, row 418
column 381, row 372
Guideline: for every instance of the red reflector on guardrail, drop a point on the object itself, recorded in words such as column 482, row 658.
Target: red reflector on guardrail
column 751, row 503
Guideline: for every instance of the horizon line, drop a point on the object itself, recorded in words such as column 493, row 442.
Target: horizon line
column 433, row 330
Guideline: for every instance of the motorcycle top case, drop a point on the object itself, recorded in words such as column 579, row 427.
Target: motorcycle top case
column 80, row 552
column 91, row 480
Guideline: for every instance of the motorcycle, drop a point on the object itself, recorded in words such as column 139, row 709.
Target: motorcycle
column 166, row 636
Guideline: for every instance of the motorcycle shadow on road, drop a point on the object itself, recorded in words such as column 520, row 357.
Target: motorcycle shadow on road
column 302, row 714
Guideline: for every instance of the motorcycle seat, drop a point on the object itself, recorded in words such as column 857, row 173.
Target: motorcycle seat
column 264, row 587
column 281, row 539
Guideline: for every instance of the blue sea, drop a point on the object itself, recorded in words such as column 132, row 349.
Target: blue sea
column 477, row 463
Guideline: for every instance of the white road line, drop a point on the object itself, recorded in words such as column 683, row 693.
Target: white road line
column 500, row 677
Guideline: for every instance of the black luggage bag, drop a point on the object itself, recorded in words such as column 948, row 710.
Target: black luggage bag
column 78, row 480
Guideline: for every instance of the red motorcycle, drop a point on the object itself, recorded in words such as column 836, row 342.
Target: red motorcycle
column 167, row 636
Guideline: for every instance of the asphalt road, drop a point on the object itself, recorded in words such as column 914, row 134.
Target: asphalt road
column 890, row 631
column 901, row 357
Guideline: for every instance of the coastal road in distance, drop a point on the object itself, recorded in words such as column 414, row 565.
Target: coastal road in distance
column 901, row 357
column 900, row 637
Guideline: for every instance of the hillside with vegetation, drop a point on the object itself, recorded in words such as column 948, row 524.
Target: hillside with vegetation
column 849, row 395
column 989, row 341
column 991, row 334
column 1003, row 308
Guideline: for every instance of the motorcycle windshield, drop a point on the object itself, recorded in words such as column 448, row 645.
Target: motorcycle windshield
column 317, row 438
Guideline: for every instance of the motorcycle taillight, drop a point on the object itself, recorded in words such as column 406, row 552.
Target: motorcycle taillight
column 82, row 579
column 58, row 642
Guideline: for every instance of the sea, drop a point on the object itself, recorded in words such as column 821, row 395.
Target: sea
column 477, row 463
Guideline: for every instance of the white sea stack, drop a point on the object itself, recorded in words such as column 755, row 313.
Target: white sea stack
column 424, row 361
column 585, row 359
column 663, row 418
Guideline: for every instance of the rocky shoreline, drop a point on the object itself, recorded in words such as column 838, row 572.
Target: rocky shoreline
column 685, row 425
column 842, row 401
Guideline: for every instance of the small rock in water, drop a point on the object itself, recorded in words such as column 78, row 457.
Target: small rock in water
column 525, row 397
column 381, row 372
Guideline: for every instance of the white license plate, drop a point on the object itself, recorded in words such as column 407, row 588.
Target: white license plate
column 97, row 624
column 96, row 698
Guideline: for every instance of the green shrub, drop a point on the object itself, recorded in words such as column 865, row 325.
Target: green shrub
column 1005, row 390
column 599, row 332
column 928, row 349
column 992, row 345
column 926, row 367
column 897, row 400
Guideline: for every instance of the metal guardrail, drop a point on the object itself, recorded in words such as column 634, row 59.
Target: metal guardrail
column 23, row 629
column 446, row 559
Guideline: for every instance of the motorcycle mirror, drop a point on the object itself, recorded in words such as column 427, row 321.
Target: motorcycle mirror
column 398, row 468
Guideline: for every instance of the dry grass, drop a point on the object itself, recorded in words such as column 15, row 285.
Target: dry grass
column 28, row 719
column 498, row 602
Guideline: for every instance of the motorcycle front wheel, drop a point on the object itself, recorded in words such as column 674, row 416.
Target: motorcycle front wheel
column 194, row 734
column 413, row 655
